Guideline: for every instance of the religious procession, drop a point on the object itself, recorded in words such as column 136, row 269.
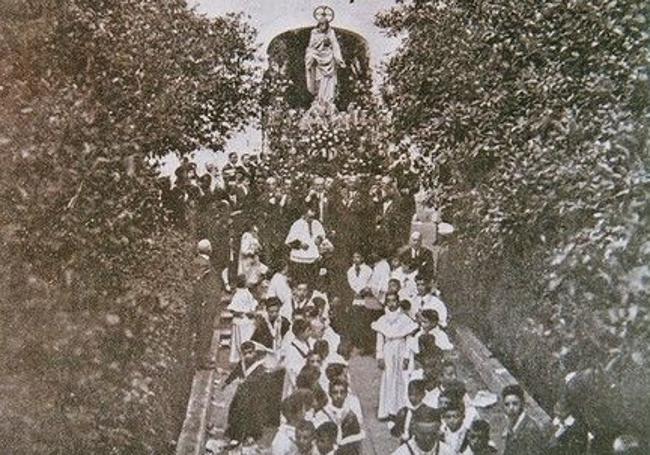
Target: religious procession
column 349, row 278
column 323, row 270
column 325, row 227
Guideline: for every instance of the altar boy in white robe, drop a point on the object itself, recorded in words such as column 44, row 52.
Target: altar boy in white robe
column 295, row 355
column 428, row 326
column 392, row 330
column 358, row 276
column 426, row 435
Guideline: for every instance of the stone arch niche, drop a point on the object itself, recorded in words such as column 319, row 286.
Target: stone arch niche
column 286, row 56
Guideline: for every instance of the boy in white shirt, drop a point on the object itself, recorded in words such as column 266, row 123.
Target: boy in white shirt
column 293, row 410
column 358, row 276
column 428, row 326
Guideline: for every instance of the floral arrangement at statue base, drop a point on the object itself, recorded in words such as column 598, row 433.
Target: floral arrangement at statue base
column 324, row 140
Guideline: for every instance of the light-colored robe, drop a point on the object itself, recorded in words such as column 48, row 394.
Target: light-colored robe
column 392, row 329
column 293, row 359
column 242, row 302
column 300, row 231
column 279, row 287
column 322, row 58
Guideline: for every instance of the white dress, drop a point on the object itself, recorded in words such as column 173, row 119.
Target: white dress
column 322, row 58
column 249, row 260
column 392, row 329
column 241, row 305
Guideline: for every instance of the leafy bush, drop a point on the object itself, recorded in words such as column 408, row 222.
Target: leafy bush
column 94, row 90
column 535, row 116
column 95, row 279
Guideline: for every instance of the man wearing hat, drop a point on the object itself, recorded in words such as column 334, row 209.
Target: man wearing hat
column 206, row 291
column 425, row 431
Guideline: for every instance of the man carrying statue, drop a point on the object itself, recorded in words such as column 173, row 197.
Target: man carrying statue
column 322, row 59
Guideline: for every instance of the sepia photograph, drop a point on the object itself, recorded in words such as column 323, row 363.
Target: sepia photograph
column 325, row 227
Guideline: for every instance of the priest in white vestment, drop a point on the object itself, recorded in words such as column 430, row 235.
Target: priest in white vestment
column 305, row 235
column 392, row 330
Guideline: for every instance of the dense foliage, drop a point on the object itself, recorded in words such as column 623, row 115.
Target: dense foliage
column 535, row 115
column 98, row 88
column 95, row 280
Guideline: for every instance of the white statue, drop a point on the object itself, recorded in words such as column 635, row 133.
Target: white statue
column 322, row 60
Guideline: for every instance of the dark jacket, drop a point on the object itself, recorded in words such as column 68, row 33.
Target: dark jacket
column 525, row 439
column 423, row 261
column 263, row 335
column 400, row 420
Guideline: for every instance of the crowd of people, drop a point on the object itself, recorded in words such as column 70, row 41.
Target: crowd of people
column 318, row 270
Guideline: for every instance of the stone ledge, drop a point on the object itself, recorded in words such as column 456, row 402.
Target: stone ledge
column 191, row 441
column 494, row 374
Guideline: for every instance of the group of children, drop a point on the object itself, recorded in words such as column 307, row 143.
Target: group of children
column 292, row 345
column 298, row 365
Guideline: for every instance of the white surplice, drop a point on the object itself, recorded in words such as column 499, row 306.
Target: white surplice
column 358, row 281
column 378, row 284
column 300, row 230
column 293, row 359
column 432, row 302
column 392, row 329
column 243, row 327
column 279, row 287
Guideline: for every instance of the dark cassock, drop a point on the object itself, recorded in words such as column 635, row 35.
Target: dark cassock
column 248, row 413
column 271, row 214
column 206, row 291
column 270, row 329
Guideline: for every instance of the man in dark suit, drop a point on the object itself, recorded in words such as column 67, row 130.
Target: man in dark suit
column 319, row 200
column 206, row 291
column 247, row 413
column 273, row 207
column 352, row 223
column 388, row 214
column 418, row 255
column 522, row 436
